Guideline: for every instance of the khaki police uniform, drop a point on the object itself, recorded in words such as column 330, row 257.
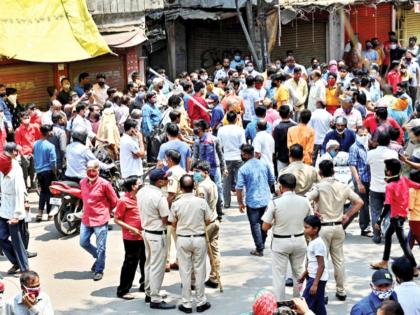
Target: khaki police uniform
column 153, row 206
column 286, row 215
column 306, row 175
column 190, row 213
column 207, row 190
column 176, row 172
column 331, row 195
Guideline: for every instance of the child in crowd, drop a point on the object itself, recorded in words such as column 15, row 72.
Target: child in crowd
column 396, row 202
column 316, row 273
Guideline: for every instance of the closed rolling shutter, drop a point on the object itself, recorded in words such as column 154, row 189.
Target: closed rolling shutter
column 411, row 26
column 31, row 81
column 306, row 41
column 208, row 42
column 111, row 66
column 370, row 22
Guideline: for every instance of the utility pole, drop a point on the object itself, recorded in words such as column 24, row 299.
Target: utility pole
column 262, row 17
column 250, row 20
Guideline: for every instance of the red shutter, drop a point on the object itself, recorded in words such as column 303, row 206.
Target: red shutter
column 112, row 66
column 369, row 22
column 31, row 81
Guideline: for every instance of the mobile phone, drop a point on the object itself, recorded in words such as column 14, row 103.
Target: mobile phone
column 288, row 303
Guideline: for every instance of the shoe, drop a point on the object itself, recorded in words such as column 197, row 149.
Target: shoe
column 219, row 218
column 379, row 265
column 211, row 284
column 162, row 306
column 257, row 253
column 174, row 266
column 341, row 297
column 147, row 299
column 376, row 239
column 141, row 288
column 38, row 217
column 93, row 267
column 167, row 268
column 187, row 310
column 98, row 276
column 326, row 300
column 31, row 254
column 227, row 206
column 366, row 233
column 127, row 296
column 289, row 282
column 203, row 307
column 14, row 270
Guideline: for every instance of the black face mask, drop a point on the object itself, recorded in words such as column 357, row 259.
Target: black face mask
column 2, row 94
column 101, row 83
column 398, row 93
column 244, row 159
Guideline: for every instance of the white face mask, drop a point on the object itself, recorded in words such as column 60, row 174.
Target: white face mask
column 393, row 46
column 204, row 77
column 12, row 98
column 364, row 140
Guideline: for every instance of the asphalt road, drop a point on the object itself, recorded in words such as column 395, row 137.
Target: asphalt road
column 65, row 272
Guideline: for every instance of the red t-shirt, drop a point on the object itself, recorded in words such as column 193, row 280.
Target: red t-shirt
column 397, row 196
column 195, row 112
column 393, row 78
column 3, row 136
column 5, row 164
column 128, row 212
column 371, row 124
column 99, row 198
column 25, row 136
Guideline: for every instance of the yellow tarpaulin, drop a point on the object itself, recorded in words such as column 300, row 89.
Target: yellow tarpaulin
column 49, row 31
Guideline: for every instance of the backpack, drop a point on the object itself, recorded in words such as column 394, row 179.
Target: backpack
column 158, row 138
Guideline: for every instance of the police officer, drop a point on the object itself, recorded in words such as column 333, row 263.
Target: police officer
column 331, row 196
column 175, row 172
column 154, row 218
column 289, row 243
column 190, row 215
column 207, row 190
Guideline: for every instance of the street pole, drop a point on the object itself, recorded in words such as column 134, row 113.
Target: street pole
column 262, row 17
column 250, row 18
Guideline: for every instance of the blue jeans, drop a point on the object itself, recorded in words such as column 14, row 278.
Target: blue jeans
column 14, row 249
column 98, row 252
column 254, row 217
column 377, row 200
column 315, row 302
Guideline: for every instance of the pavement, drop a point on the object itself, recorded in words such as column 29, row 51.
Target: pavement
column 64, row 268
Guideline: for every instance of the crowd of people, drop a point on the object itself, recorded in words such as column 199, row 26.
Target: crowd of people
column 235, row 132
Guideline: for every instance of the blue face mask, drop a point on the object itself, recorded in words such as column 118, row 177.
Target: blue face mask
column 237, row 58
column 333, row 153
column 198, row 177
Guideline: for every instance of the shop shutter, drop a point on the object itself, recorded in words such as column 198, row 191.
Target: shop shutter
column 31, row 81
column 307, row 40
column 111, row 66
column 370, row 22
column 209, row 41
column 411, row 26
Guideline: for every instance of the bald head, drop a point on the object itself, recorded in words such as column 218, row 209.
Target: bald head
column 262, row 125
column 186, row 183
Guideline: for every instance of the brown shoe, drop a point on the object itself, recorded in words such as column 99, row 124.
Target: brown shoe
column 379, row 265
column 174, row 266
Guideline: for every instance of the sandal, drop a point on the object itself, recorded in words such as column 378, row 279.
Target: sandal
column 128, row 296
column 378, row 266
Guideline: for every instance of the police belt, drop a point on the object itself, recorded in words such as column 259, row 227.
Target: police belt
column 287, row 236
column 194, row 235
column 156, row 232
column 332, row 223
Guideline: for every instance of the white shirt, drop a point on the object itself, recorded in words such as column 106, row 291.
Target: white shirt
column 317, row 248
column 408, row 293
column 354, row 118
column 316, row 93
column 82, row 122
column 367, row 93
column 43, row 306
column 154, row 206
column 130, row 165
column 46, row 118
column 13, row 192
column 99, row 94
column 264, row 143
column 320, row 122
column 375, row 159
column 231, row 137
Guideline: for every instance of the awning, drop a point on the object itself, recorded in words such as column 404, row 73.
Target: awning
column 125, row 39
column 191, row 14
column 49, row 31
column 324, row 3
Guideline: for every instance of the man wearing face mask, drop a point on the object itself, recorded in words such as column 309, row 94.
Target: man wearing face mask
column 3, row 105
column 152, row 117
column 100, row 90
column 406, row 288
column 413, row 47
column 59, row 140
column 342, row 134
column 291, row 65
column 157, row 87
column 64, row 94
column 382, row 290
column 360, row 172
column 414, row 69
column 237, row 60
column 131, row 150
column 99, row 199
column 353, row 116
column 15, row 107
column 196, row 112
column 370, row 55
column 223, row 72
column 299, row 89
column 389, row 47
column 250, row 69
column 32, row 300
column 332, row 148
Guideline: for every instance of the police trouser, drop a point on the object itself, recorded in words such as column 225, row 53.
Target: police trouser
column 192, row 257
column 154, row 268
column 333, row 237
column 283, row 251
column 213, row 230
column 171, row 235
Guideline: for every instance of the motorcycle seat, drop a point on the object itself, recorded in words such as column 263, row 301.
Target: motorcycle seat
column 71, row 184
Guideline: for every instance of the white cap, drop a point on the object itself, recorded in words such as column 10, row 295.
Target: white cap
column 332, row 143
